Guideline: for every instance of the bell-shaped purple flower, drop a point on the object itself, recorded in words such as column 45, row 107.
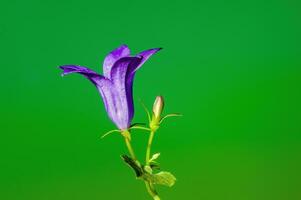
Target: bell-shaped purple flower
column 116, row 84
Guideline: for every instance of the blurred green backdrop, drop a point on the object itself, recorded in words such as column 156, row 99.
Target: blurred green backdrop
column 231, row 67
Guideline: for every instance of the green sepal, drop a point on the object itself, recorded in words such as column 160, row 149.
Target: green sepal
column 170, row 115
column 109, row 132
column 146, row 110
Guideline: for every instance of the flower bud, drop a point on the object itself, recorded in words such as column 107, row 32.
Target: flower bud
column 158, row 107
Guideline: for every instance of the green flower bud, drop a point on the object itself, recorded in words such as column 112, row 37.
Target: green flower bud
column 157, row 110
column 158, row 107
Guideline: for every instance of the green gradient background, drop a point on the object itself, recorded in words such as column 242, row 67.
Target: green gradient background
column 231, row 67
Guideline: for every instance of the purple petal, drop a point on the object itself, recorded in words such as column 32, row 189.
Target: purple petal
column 105, row 87
column 133, row 68
column 116, row 86
column 112, row 57
column 88, row 73
column 119, row 78
column 111, row 100
column 131, row 74
column 145, row 56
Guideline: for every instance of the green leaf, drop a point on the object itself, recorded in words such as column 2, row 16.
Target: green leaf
column 161, row 178
column 135, row 165
column 155, row 156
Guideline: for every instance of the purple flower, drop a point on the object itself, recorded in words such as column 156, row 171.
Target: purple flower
column 116, row 84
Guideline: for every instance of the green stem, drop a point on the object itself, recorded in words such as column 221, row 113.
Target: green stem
column 128, row 144
column 149, row 145
column 151, row 191
column 149, row 186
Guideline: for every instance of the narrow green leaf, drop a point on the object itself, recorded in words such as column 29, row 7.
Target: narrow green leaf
column 135, row 165
column 155, row 156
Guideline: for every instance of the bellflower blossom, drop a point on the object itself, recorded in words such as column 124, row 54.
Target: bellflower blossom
column 116, row 84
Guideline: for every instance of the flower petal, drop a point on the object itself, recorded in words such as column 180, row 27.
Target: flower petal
column 110, row 96
column 116, row 85
column 119, row 79
column 88, row 73
column 145, row 56
column 111, row 99
column 112, row 57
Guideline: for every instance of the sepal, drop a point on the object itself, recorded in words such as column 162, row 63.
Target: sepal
column 170, row 115
column 109, row 132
